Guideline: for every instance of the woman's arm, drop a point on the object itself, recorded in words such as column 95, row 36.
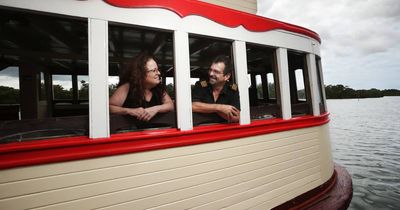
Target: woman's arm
column 117, row 100
column 166, row 106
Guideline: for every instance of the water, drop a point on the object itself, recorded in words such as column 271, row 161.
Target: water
column 365, row 136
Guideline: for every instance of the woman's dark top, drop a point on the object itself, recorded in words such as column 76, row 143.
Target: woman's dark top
column 131, row 101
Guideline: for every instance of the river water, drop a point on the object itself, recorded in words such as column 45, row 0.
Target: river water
column 365, row 135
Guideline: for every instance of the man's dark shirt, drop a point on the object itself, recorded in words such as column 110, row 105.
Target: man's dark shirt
column 202, row 92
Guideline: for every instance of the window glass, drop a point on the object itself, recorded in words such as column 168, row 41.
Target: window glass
column 83, row 87
column 42, row 87
column 259, row 86
column 301, row 95
column 321, row 99
column 262, row 90
column 9, row 94
column 271, row 86
column 40, row 55
column 112, row 84
column 126, row 42
column 299, row 84
column 62, row 88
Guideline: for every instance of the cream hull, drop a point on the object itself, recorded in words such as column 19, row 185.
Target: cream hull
column 254, row 172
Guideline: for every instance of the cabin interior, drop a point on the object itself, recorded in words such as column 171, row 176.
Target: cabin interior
column 44, row 73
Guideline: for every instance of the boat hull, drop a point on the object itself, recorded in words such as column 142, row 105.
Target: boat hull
column 250, row 172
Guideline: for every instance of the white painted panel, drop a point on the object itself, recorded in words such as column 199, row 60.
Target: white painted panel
column 293, row 190
column 165, row 19
column 222, row 197
column 241, row 5
column 255, row 180
column 98, row 77
column 240, row 60
column 258, row 195
column 283, row 73
column 183, row 166
column 313, row 79
column 327, row 165
column 182, row 78
column 48, row 170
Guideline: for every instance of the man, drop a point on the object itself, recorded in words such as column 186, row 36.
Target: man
column 216, row 95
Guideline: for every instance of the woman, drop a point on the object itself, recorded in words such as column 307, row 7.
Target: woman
column 140, row 92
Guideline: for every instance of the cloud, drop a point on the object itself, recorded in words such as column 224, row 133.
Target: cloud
column 359, row 37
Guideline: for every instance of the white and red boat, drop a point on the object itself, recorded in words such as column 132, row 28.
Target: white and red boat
column 61, row 149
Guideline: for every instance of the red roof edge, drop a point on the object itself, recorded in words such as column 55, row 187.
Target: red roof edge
column 222, row 15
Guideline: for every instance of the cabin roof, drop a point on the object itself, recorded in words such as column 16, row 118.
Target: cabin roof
column 222, row 15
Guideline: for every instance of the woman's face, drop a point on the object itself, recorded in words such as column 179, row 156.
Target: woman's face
column 152, row 74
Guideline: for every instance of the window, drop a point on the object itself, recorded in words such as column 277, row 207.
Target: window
column 62, row 88
column 301, row 94
column 203, row 50
column 40, row 57
column 9, row 94
column 321, row 99
column 299, row 84
column 261, row 66
column 125, row 43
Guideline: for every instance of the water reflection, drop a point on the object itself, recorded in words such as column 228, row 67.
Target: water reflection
column 365, row 136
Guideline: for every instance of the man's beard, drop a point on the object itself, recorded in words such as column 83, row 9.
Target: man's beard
column 212, row 81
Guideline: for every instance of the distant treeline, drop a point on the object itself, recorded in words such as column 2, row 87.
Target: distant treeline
column 9, row 95
column 341, row 91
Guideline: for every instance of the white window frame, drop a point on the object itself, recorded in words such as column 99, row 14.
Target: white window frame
column 283, row 76
column 99, row 126
column 240, row 62
column 313, row 79
column 182, row 79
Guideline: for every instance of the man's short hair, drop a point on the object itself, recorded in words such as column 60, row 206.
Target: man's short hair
column 224, row 59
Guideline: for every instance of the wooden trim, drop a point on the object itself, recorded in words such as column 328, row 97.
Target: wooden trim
column 81, row 147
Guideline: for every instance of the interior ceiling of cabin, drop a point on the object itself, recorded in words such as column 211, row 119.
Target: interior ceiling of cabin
column 59, row 45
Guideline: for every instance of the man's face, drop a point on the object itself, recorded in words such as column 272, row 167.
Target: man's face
column 216, row 74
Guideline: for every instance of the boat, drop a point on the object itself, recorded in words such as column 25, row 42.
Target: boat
column 61, row 148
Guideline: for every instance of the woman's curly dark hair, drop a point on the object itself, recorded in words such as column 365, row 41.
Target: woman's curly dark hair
column 135, row 74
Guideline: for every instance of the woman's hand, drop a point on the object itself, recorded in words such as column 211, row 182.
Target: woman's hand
column 143, row 114
column 151, row 111
column 139, row 113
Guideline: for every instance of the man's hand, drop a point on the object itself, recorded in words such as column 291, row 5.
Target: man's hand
column 228, row 112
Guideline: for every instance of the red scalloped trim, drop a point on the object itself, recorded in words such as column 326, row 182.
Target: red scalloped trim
column 76, row 148
column 225, row 16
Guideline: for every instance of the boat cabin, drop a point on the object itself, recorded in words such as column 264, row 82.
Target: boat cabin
column 47, row 70
column 60, row 61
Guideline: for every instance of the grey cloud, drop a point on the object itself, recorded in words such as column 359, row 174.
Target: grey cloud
column 359, row 37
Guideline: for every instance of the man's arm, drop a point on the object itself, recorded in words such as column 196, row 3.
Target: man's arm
column 228, row 112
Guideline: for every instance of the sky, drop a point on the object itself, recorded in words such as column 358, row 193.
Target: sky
column 360, row 38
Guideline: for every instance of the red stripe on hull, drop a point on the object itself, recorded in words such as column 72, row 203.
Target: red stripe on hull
column 75, row 148
column 222, row 15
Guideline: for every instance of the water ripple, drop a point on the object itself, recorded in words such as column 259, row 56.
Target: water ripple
column 365, row 138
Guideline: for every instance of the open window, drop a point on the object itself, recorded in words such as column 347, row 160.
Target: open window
column 126, row 42
column 263, row 87
column 299, row 83
column 203, row 50
column 41, row 57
